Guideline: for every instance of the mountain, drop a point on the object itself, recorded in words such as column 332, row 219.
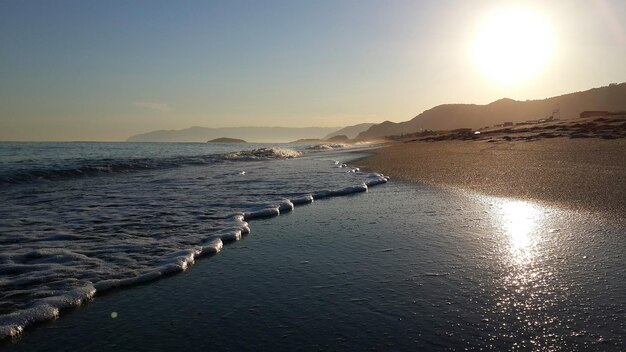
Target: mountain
column 454, row 116
column 350, row 131
column 342, row 138
column 253, row 134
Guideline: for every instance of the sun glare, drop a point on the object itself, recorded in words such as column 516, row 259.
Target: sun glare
column 520, row 220
column 512, row 45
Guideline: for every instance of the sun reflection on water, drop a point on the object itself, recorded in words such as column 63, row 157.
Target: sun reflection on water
column 519, row 220
column 527, row 291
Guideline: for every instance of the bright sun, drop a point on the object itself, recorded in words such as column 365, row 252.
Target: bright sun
column 513, row 45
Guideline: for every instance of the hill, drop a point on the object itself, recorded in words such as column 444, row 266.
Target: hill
column 342, row 138
column 350, row 131
column 254, row 134
column 455, row 116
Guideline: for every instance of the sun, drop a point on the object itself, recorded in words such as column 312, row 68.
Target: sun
column 513, row 45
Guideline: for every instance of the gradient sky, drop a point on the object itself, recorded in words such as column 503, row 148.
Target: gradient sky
column 105, row 70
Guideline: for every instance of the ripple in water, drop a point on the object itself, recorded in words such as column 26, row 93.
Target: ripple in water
column 66, row 235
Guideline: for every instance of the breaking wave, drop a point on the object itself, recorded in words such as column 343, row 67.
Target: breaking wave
column 62, row 243
column 327, row 146
column 264, row 153
column 95, row 167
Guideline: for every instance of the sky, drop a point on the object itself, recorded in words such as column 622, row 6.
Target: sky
column 106, row 70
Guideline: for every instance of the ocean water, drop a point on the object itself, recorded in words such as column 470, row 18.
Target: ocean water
column 401, row 267
column 78, row 219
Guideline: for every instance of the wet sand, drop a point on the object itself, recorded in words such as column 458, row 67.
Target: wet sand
column 586, row 173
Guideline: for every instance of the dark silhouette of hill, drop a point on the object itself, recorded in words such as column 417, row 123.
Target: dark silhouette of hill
column 350, row 131
column 226, row 140
column 455, row 116
column 254, row 134
column 342, row 138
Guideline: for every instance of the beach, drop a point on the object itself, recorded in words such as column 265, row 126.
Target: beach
column 422, row 263
column 313, row 176
column 585, row 173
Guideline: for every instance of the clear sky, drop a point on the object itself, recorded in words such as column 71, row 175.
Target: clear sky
column 105, row 70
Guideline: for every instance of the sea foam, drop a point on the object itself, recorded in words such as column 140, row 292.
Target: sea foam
column 264, row 153
column 67, row 239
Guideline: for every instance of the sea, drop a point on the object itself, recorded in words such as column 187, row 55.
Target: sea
column 289, row 248
column 78, row 219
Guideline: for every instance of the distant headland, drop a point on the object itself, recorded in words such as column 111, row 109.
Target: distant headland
column 251, row 134
column 226, row 140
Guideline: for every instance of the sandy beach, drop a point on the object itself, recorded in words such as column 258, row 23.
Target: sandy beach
column 586, row 173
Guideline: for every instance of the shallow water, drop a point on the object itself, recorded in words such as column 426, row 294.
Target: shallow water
column 401, row 267
column 82, row 218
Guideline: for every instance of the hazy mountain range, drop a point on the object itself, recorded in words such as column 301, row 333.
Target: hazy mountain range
column 250, row 134
column 453, row 116
column 442, row 117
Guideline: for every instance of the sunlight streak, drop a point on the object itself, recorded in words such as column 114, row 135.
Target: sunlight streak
column 519, row 220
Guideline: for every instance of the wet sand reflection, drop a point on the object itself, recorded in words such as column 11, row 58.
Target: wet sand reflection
column 528, row 293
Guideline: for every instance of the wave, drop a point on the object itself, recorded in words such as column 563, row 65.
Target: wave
column 62, row 246
column 234, row 228
column 94, row 167
column 47, row 309
column 264, row 153
column 327, row 146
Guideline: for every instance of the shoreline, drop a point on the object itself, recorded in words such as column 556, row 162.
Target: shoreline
column 360, row 272
column 334, row 275
column 578, row 174
column 14, row 324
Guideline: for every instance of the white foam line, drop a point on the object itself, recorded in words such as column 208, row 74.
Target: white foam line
column 306, row 199
column 263, row 213
column 285, row 206
column 231, row 236
column 49, row 308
